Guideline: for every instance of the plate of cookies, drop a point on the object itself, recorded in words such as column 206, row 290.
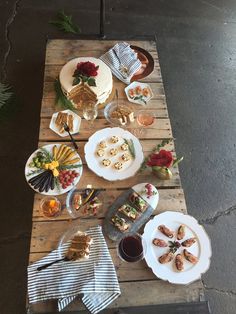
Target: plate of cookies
column 114, row 154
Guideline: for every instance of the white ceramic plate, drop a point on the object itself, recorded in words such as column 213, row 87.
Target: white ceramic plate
column 76, row 123
column 139, row 101
column 110, row 173
column 56, row 190
column 201, row 249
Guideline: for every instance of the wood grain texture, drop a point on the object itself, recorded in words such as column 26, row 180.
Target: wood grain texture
column 160, row 129
column 170, row 199
column 151, row 292
column 47, row 233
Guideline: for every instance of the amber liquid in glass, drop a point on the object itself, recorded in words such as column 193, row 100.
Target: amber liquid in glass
column 145, row 119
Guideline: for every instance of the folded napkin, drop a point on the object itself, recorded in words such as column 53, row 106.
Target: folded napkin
column 95, row 278
column 122, row 61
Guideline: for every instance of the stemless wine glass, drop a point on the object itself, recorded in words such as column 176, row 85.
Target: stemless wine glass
column 145, row 119
column 131, row 248
column 90, row 112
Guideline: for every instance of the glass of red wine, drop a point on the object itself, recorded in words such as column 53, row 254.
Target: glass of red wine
column 131, row 248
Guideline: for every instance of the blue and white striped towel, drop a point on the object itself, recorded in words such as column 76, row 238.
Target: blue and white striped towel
column 122, row 61
column 95, row 278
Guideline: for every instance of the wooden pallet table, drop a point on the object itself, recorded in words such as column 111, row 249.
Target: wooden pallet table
column 138, row 284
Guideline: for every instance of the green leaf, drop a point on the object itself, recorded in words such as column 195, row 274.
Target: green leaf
column 84, row 78
column 64, row 23
column 5, row 94
column 76, row 81
column 65, row 167
column 91, row 81
column 61, row 99
column 130, row 144
column 177, row 161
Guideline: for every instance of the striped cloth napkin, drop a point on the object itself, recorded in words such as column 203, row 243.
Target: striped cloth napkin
column 122, row 61
column 95, row 278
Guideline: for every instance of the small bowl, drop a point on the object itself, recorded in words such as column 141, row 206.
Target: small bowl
column 83, row 211
column 141, row 99
column 110, row 108
column 43, row 210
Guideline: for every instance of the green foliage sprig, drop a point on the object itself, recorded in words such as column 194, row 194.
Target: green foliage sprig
column 64, row 23
column 61, row 99
column 130, row 144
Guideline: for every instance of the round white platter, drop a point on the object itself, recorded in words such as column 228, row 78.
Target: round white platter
column 201, row 249
column 56, row 190
column 110, row 173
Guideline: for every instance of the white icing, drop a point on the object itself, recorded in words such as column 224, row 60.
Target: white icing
column 103, row 80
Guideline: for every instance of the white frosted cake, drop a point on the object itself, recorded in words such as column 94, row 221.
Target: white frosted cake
column 82, row 92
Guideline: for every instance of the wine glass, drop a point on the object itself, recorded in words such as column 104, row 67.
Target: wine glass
column 90, row 113
column 131, row 248
column 145, row 118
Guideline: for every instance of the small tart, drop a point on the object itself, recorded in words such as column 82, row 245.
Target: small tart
column 114, row 139
column 118, row 165
column 103, row 144
column 126, row 157
column 124, row 147
column 101, row 152
column 106, row 162
column 113, row 151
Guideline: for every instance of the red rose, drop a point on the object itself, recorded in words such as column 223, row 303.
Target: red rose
column 161, row 159
column 87, row 68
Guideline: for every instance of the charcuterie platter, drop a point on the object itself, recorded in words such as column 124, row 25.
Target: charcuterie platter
column 130, row 210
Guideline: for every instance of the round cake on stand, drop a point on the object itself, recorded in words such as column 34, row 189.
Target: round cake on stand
column 86, row 80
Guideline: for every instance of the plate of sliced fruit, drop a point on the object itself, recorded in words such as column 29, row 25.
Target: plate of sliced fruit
column 53, row 169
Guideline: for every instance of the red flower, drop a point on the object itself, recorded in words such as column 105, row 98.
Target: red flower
column 161, row 159
column 87, row 68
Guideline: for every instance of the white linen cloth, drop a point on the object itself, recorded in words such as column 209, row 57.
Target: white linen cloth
column 122, row 61
column 95, row 278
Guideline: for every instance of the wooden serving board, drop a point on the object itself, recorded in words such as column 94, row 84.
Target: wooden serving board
column 138, row 285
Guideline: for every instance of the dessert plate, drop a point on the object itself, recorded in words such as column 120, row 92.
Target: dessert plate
column 201, row 248
column 76, row 123
column 95, row 163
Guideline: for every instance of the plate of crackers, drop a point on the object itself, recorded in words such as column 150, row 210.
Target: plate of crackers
column 66, row 116
column 114, row 154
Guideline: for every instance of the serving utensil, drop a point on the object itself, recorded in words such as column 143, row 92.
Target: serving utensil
column 64, row 259
column 67, row 129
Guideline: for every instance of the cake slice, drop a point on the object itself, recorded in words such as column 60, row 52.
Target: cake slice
column 80, row 247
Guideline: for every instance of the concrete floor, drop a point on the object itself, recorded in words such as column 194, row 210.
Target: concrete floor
column 197, row 49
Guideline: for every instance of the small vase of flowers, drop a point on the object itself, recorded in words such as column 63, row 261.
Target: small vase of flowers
column 160, row 161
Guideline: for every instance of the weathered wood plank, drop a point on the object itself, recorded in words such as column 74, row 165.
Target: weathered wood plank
column 170, row 199
column 93, row 45
column 157, row 88
column 151, row 292
column 147, row 145
column 52, row 70
column 161, row 129
column 159, row 105
column 138, row 271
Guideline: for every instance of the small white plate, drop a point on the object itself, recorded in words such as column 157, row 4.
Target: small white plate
column 109, row 173
column 76, row 123
column 201, row 248
column 139, row 101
